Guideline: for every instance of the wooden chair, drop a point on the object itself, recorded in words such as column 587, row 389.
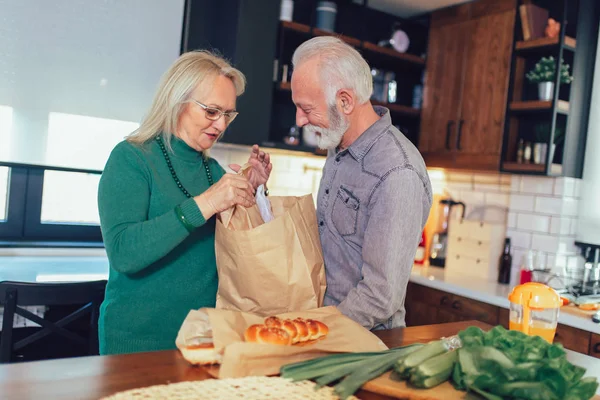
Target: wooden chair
column 16, row 295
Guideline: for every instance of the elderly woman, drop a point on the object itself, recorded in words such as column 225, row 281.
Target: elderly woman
column 157, row 198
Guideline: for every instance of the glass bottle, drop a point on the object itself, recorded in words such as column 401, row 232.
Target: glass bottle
column 520, row 152
column 505, row 264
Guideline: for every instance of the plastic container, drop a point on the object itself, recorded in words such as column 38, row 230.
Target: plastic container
column 326, row 13
column 534, row 309
column 287, row 10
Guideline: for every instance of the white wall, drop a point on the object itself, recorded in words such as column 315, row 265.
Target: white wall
column 589, row 210
column 80, row 74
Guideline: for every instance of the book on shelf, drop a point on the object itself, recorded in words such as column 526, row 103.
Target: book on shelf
column 533, row 21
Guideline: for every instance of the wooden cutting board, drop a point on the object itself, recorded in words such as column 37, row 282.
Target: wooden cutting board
column 400, row 390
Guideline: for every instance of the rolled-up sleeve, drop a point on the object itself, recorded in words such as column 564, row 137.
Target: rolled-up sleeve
column 396, row 214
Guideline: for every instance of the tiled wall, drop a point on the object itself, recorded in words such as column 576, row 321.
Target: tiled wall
column 539, row 213
column 544, row 216
column 292, row 175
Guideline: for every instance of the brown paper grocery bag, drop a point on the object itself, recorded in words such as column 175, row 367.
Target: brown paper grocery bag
column 272, row 268
column 244, row 359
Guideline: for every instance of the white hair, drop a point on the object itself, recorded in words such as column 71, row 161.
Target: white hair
column 342, row 67
column 185, row 74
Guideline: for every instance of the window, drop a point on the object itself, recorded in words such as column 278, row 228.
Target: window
column 70, row 198
column 3, row 193
column 6, row 115
column 80, row 141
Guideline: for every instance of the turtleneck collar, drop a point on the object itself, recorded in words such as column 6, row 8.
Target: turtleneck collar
column 182, row 151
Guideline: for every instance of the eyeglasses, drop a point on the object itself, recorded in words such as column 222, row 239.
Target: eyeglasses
column 214, row 114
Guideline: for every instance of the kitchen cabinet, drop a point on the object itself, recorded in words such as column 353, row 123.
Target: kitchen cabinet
column 572, row 338
column 595, row 345
column 466, row 88
column 427, row 306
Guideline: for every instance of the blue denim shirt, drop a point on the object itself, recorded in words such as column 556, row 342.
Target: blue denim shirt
column 373, row 202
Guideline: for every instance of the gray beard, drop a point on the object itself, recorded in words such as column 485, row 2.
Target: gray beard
column 331, row 137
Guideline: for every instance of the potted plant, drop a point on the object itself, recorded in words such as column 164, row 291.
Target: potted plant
column 544, row 74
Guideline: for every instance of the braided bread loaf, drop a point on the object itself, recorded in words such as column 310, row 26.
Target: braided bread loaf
column 286, row 332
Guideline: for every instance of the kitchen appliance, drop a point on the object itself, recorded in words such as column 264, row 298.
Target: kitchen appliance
column 534, row 309
column 439, row 240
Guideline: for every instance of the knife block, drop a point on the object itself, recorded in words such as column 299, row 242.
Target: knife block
column 474, row 249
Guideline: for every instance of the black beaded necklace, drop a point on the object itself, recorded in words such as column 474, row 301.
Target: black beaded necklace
column 174, row 175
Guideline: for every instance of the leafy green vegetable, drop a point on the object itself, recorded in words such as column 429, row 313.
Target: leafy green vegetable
column 509, row 364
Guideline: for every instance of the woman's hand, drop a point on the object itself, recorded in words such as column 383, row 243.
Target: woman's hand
column 261, row 167
column 229, row 191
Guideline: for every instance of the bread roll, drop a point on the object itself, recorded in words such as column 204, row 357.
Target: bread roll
column 273, row 322
column 201, row 354
column 274, row 336
column 302, row 328
column 263, row 334
column 288, row 326
column 285, row 332
column 251, row 334
column 321, row 328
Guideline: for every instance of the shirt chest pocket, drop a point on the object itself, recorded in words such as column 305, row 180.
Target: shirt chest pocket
column 344, row 213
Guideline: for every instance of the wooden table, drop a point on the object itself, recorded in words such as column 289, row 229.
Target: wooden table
column 94, row 377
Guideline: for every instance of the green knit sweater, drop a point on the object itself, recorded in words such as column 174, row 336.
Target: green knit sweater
column 158, row 270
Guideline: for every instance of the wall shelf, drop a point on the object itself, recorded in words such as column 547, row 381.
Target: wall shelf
column 542, row 44
column 555, row 169
column 538, row 105
column 367, row 46
column 395, row 108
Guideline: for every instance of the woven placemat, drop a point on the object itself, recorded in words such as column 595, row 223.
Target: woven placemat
column 250, row 388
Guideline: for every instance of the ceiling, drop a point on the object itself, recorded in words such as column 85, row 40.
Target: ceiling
column 411, row 8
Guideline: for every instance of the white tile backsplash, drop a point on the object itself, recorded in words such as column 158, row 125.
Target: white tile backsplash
column 574, row 226
column 515, row 183
column 519, row 202
column 537, row 185
column 533, row 223
column 564, row 187
column 570, row 206
column 546, row 243
column 512, row 220
column 519, row 239
column 497, row 199
column 548, row 205
column 541, row 212
column 472, row 198
column 560, row 226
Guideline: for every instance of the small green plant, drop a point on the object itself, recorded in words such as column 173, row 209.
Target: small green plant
column 545, row 71
column 542, row 132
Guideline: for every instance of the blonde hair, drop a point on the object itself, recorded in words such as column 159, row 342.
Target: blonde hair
column 342, row 67
column 176, row 85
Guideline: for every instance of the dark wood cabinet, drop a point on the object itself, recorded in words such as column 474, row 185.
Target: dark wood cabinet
column 572, row 338
column 468, row 66
column 427, row 306
column 595, row 345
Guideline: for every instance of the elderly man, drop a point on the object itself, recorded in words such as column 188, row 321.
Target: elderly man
column 375, row 194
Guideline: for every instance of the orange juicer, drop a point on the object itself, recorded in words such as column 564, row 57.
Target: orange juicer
column 534, row 310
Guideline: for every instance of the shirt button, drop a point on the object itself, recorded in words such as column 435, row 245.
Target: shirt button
column 321, row 223
column 326, row 191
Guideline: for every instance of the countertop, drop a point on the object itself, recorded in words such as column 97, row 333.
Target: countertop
column 84, row 378
column 488, row 292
